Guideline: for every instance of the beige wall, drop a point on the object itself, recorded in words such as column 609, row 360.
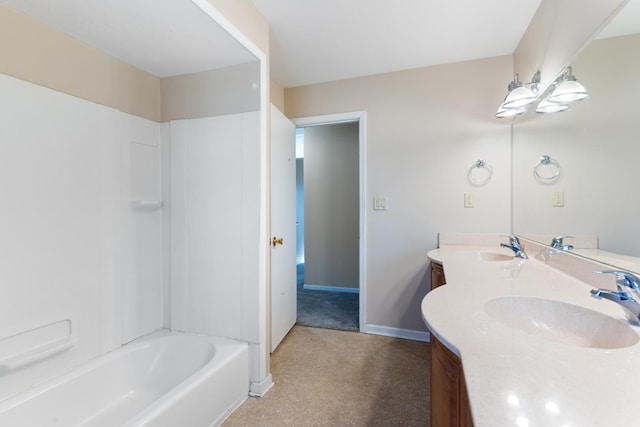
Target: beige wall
column 596, row 145
column 246, row 18
column 557, row 32
column 36, row 53
column 277, row 95
column 331, row 205
column 424, row 129
column 227, row 90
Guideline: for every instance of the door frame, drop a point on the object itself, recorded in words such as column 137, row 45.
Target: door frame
column 360, row 117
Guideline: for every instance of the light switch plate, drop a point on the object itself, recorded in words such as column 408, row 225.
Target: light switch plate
column 558, row 199
column 468, row 200
column 379, row 203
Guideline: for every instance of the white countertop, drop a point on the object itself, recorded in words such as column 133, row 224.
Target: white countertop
column 518, row 379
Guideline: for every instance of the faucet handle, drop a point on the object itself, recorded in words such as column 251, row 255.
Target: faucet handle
column 513, row 239
column 557, row 241
column 624, row 278
column 614, row 296
column 515, row 246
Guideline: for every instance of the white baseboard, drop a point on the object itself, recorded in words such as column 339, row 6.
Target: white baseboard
column 331, row 288
column 406, row 334
column 259, row 389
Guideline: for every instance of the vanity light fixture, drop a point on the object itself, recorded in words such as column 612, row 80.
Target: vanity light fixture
column 519, row 97
column 547, row 106
column 509, row 112
column 567, row 89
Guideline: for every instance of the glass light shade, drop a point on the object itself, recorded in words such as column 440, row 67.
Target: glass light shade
column 519, row 97
column 547, row 106
column 568, row 91
column 509, row 112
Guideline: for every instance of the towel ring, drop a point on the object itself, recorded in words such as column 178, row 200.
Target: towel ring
column 546, row 162
column 481, row 165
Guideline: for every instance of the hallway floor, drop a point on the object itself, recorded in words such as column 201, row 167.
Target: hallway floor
column 327, row 309
column 336, row 378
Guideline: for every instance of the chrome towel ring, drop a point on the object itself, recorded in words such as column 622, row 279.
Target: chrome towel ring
column 547, row 170
column 480, row 178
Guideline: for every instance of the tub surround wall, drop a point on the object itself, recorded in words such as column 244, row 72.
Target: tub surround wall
column 83, row 219
column 143, row 206
column 92, row 255
column 215, row 185
column 165, row 173
column 49, row 58
column 61, row 178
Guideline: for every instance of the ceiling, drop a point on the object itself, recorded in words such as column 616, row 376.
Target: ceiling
column 316, row 41
column 162, row 37
column 627, row 21
column 312, row 41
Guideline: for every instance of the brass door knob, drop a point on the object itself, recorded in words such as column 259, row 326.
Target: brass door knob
column 277, row 241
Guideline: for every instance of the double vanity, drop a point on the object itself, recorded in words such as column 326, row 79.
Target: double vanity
column 523, row 342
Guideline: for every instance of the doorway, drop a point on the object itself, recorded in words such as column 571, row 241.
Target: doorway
column 329, row 202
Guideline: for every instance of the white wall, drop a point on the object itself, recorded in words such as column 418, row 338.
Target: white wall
column 425, row 128
column 215, row 186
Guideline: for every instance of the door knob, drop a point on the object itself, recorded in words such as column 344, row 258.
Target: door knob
column 277, row 241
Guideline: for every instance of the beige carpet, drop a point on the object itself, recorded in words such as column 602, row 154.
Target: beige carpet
column 336, row 378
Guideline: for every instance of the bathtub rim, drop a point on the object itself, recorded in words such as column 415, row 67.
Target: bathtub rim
column 231, row 347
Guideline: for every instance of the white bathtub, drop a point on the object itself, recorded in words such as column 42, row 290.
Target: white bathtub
column 167, row 379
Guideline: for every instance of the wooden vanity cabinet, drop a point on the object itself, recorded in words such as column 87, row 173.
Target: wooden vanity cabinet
column 449, row 398
column 437, row 275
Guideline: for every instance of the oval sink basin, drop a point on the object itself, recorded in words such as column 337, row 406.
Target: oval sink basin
column 561, row 322
column 494, row 256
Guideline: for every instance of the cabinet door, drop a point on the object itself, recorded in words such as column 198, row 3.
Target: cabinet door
column 445, row 386
column 449, row 400
column 437, row 275
column 466, row 419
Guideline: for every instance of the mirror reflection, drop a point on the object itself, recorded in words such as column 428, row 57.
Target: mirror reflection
column 596, row 146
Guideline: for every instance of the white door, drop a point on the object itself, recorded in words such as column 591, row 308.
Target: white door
column 283, row 226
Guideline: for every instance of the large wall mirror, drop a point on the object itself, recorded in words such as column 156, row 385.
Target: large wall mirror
column 596, row 145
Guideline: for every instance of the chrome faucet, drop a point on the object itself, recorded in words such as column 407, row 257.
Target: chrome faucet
column 515, row 246
column 628, row 294
column 557, row 243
